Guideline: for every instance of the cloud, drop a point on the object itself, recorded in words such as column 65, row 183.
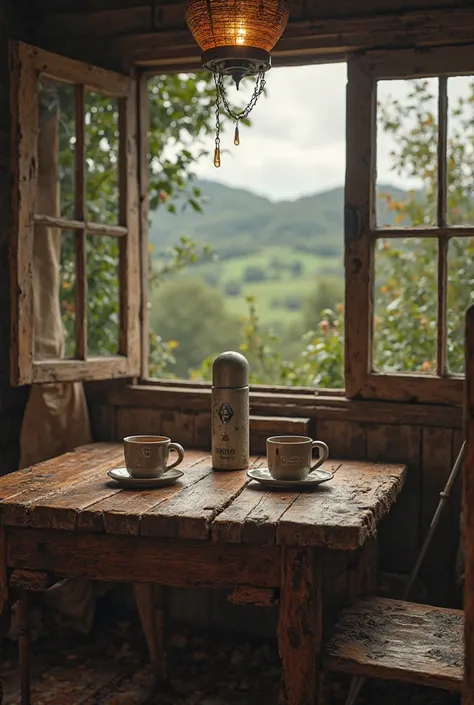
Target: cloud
column 296, row 144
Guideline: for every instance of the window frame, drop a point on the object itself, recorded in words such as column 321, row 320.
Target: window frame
column 361, row 232
column 180, row 387
column 364, row 70
column 28, row 63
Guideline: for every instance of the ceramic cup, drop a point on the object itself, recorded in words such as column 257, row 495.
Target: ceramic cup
column 147, row 456
column 291, row 457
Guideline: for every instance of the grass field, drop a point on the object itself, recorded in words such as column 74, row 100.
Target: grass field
column 288, row 278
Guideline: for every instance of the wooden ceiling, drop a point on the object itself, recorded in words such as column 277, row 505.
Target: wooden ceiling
column 122, row 33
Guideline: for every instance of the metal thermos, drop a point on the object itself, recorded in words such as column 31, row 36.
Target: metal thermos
column 230, row 412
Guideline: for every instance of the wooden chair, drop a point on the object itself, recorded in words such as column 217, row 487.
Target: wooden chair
column 377, row 637
column 382, row 638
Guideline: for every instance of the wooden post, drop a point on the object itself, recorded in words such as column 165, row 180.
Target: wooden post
column 24, row 647
column 151, row 609
column 468, row 511
column 80, row 213
column 359, row 216
column 300, row 624
column 144, row 126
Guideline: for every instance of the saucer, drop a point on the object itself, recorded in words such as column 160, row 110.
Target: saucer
column 314, row 479
column 123, row 477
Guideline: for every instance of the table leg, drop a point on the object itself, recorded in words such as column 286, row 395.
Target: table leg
column 362, row 574
column 300, row 624
column 151, row 608
column 24, row 647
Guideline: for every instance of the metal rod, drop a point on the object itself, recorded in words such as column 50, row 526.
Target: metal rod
column 358, row 681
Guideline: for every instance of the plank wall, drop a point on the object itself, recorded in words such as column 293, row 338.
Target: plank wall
column 120, row 33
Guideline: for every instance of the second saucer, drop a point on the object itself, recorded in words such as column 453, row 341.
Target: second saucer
column 314, row 479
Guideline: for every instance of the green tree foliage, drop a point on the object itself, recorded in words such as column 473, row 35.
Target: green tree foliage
column 318, row 362
column 327, row 294
column 192, row 315
column 405, row 294
column 181, row 114
column 254, row 274
column 406, row 285
column 233, row 288
column 101, row 175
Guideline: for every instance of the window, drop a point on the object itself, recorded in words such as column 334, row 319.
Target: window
column 250, row 256
column 434, row 236
column 404, row 324
column 74, row 125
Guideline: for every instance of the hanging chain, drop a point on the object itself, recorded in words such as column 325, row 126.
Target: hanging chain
column 217, row 150
column 258, row 90
column 235, row 116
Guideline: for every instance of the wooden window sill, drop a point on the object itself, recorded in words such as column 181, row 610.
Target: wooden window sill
column 194, row 398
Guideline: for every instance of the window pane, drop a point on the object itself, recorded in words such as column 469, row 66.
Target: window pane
column 56, row 143
column 102, row 295
column 67, row 291
column 260, row 268
column 405, row 305
column 102, row 157
column 460, row 209
column 407, row 144
column 53, row 293
column 460, row 296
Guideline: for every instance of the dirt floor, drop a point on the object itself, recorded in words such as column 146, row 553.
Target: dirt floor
column 108, row 667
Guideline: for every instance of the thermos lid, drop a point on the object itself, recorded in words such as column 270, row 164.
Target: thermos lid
column 230, row 369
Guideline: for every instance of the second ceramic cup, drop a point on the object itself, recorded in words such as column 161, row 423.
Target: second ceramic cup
column 291, row 457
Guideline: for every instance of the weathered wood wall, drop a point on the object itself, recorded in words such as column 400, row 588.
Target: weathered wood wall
column 119, row 33
column 12, row 401
column 427, row 438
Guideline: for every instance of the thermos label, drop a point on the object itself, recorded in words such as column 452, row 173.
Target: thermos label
column 225, row 451
column 225, row 413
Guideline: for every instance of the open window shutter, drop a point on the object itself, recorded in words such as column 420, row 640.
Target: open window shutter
column 40, row 302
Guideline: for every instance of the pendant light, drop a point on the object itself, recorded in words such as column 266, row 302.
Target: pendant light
column 236, row 38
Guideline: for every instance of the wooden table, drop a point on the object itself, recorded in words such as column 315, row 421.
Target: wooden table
column 64, row 518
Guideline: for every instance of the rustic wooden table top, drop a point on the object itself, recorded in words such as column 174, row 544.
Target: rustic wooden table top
column 73, row 493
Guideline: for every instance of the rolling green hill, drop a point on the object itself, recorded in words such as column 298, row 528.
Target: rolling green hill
column 280, row 253
column 238, row 223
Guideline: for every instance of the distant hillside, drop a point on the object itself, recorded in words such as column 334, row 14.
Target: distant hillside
column 237, row 222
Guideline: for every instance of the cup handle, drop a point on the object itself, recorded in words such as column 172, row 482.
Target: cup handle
column 180, row 451
column 323, row 456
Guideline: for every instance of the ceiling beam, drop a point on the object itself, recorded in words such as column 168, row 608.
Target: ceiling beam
column 169, row 44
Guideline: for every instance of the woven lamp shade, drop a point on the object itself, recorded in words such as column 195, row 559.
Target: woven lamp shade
column 226, row 23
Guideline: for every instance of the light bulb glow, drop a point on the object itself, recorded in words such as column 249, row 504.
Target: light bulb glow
column 240, row 34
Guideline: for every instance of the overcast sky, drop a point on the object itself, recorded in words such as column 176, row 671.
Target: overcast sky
column 296, row 145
